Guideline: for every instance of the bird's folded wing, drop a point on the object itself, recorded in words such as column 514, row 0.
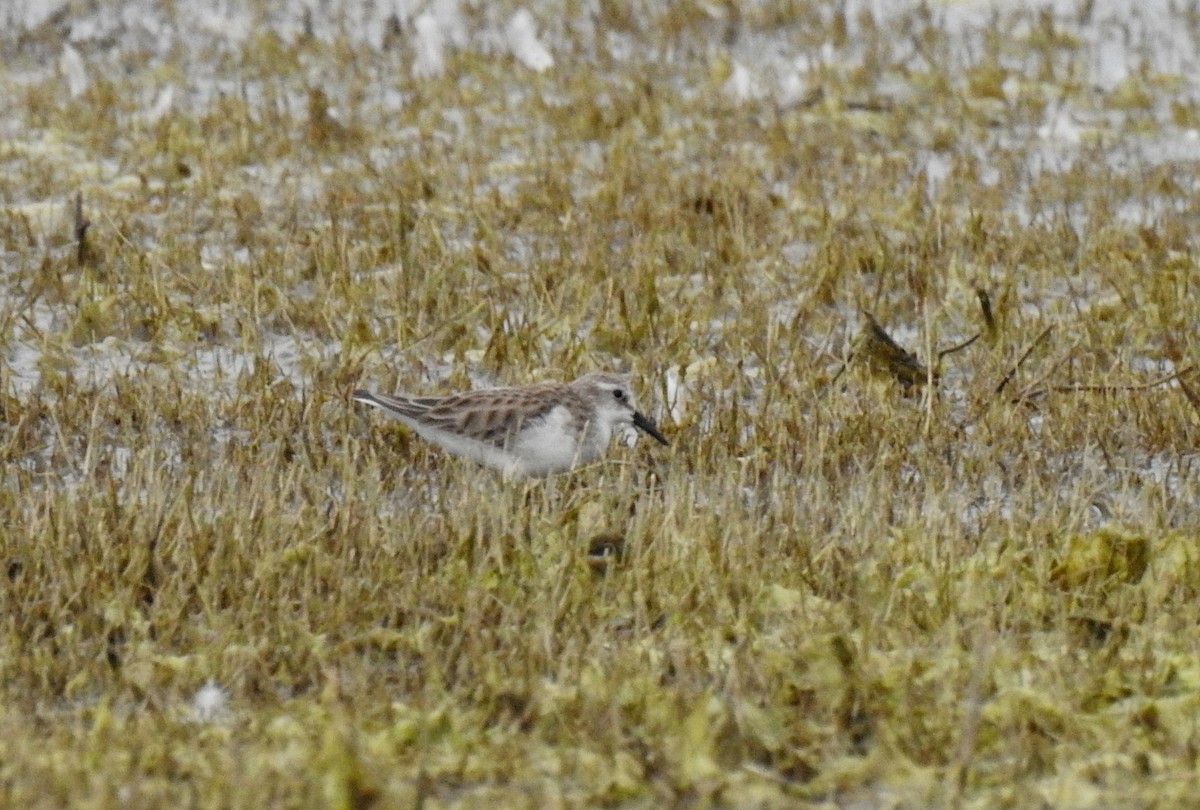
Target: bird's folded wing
column 489, row 416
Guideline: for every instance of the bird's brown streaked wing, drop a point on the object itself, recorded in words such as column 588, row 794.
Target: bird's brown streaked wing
column 484, row 415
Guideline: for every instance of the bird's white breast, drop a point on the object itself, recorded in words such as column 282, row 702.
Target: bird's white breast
column 551, row 444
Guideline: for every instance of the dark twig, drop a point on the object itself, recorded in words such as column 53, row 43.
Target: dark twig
column 985, row 305
column 957, row 348
column 1191, row 394
column 82, row 223
column 1024, row 356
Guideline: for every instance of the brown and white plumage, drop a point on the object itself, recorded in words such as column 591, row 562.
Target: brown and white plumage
column 534, row 430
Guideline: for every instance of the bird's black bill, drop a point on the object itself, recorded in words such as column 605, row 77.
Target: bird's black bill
column 642, row 423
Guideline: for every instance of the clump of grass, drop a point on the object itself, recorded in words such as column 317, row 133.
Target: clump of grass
column 884, row 356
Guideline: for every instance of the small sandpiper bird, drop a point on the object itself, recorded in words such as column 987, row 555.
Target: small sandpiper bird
column 529, row 431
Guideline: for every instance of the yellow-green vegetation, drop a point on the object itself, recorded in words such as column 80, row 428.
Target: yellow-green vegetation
column 876, row 567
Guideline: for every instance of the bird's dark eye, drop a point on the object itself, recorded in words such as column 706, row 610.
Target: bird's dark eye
column 618, row 393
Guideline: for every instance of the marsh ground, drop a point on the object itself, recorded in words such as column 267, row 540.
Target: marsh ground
column 223, row 585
